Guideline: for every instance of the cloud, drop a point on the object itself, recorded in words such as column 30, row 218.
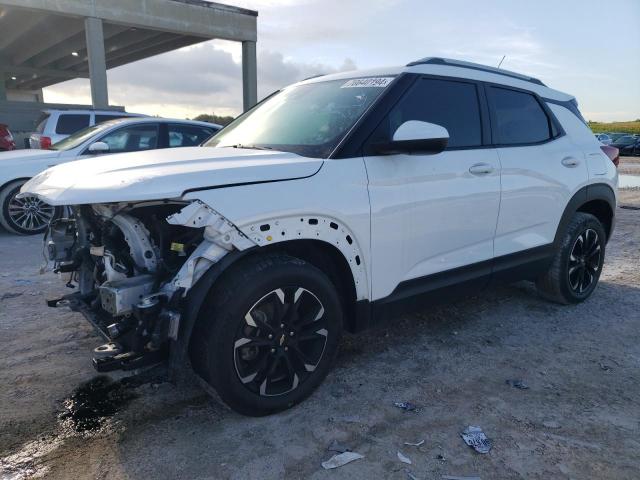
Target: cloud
column 198, row 79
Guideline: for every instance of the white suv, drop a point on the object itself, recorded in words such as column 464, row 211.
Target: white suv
column 329, row 206
column 56, row 125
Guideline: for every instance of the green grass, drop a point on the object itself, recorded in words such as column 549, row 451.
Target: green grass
column 622, row 127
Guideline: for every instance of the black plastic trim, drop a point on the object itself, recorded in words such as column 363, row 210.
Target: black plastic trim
column 451, row 284
column 179, row 349
column 588, row 193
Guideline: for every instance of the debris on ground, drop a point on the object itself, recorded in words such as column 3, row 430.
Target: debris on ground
column 403, row 458
column 408, row 406
column 336, row 446
column 475, row 437
column 341, row 459
column 456, row 477
column 515, row 383
column 23, row 281
column 441, row 457
column 417, row 444
column 410, row 475
column 604, row 366
column 551, row 424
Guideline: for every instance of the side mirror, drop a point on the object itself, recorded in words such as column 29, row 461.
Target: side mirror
column 415, row 136
column 98, row 147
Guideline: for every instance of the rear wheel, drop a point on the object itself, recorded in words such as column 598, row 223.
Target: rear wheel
column 269, row 334
column 24, row 216
column 576, row 267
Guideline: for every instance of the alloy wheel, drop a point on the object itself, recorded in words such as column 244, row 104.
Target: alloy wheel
column 280, row 341
column 30, row 213
column 584, row 261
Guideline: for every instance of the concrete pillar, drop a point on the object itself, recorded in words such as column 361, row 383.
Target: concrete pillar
column 249, row 75
column 97, row 62
column 3, row 87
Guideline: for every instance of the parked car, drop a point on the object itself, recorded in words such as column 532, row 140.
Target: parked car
column 603, row 138
column 6, row 139
column 330, row 205
column 31, row 215
column 628, row 145
column 616, row 135
column 56, row 125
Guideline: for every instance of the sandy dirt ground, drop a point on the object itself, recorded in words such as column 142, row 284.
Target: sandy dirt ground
column 579, row 418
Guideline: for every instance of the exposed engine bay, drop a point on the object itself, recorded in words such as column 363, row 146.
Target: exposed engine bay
column 132, row 264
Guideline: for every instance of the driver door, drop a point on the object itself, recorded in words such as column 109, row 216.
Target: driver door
column 433, row 217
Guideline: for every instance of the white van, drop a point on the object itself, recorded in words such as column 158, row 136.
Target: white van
column 56, row 125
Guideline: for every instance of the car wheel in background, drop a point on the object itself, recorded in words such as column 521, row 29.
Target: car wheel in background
column 268, row 334
column 24, row 216
column 576, row 266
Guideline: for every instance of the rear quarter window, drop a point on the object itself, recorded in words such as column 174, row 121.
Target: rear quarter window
column 518, row 117
column 69, row 123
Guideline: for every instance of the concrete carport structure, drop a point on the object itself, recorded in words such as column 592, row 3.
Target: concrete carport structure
column 44, row 42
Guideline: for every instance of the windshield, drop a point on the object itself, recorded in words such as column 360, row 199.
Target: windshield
column 308, row 119
column 78, row 138
column 625, row 139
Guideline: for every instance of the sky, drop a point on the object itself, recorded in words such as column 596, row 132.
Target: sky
column 588, row 48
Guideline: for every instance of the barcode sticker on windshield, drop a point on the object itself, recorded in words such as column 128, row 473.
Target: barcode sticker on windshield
column 375, row 82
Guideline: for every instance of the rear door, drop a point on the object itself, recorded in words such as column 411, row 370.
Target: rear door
column 434, row 214
column 541, row 170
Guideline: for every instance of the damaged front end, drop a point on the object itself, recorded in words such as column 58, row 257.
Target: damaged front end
column 133, row 265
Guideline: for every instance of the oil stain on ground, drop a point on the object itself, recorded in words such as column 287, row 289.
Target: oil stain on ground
column 95, row 401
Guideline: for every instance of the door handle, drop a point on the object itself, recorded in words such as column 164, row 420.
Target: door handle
column 570, row 162
column 481, row 169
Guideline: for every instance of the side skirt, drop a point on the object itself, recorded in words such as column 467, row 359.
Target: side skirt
column 443, row 287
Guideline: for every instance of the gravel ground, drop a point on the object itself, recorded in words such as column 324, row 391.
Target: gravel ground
column 629, row 165
column 579, row 418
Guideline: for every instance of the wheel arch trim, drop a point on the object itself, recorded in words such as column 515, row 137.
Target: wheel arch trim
column 588, row 193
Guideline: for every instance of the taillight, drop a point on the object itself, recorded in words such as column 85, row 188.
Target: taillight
column 45, row 143
column 612, row 152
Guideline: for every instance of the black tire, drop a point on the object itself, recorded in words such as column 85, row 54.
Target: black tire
column 576, row 267
column 266, row 290
column 39, row 217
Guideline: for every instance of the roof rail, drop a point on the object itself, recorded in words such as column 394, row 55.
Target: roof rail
column 473, row 66
column 313, row 76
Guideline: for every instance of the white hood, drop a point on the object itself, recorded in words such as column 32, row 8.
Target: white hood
column 162, row 174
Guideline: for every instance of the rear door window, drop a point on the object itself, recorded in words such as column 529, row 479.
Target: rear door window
column 133, row 138
column 518, row 117
column 188, row 135
column 69, row 123
column 451, row 104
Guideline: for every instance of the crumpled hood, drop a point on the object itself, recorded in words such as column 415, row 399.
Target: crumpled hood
column 164, row 173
